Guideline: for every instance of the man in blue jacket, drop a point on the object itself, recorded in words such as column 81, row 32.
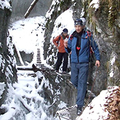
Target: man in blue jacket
column 79, row 45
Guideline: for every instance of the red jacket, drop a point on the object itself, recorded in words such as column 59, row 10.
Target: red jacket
column 59, row 43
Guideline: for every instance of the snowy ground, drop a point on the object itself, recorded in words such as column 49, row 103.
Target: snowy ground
column 28, row 35
column 28, row 87
column 27, row 93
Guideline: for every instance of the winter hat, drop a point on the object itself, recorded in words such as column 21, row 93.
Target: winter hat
column 83, row 20
column 65, row 30
column 80, row 22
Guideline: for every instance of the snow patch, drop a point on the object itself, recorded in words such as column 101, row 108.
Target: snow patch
column 2, row 88
column 112, row 61
column 8, row 115
column 62, row 104
column 94, row 4
column 96, row 109
column 26, row 33
column 52, row 7
column 5, row 4
column 66, row 21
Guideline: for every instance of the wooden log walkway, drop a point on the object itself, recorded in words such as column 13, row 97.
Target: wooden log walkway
column 40, row 67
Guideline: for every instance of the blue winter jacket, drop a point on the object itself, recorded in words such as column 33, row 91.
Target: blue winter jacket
column 84, row 53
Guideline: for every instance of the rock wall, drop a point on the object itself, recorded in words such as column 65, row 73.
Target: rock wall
column 7, row 62
column 62, row 91
column 105, row 22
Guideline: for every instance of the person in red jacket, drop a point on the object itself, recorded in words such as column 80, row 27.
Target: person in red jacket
column 59, row 43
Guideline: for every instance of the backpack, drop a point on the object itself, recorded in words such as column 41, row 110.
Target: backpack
column 59, row 38
column 92, row 57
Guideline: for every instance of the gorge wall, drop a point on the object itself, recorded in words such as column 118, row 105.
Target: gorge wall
column 7, row 61
column 105, row 22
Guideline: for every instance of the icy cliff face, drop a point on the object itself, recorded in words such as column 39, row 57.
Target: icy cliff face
column 7, row 61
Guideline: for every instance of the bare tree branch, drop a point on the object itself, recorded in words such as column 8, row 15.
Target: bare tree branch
column 30, row 8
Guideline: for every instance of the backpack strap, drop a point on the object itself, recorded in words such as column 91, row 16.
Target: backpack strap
column 58, row 39
column 71, row 37
column 89, row 34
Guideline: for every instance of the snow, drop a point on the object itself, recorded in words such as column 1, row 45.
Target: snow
column 62, row 105
column 0, row 60
column 8, row 115
column 28, row 35
column 2, row 86
column 112, row 61
column 96, row 109
column 27, row 87
column 66, row 21
column 5, row 4
column 52, row 7
column 95, row 4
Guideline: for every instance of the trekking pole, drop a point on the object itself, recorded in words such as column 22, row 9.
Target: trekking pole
column 92, row 86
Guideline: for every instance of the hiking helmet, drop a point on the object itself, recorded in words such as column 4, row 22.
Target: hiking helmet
column 80, row 22
column 65, row 30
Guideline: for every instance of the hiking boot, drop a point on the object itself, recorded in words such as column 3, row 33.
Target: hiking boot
column 79, row 110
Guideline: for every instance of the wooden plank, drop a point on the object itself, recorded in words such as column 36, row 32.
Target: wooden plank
column 24, row 68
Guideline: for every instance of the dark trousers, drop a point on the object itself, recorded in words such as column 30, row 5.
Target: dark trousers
column 60, row 57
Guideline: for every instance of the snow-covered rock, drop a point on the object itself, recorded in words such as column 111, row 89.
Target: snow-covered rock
column 98, row 108
column 5, row 4
column 7, row 59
